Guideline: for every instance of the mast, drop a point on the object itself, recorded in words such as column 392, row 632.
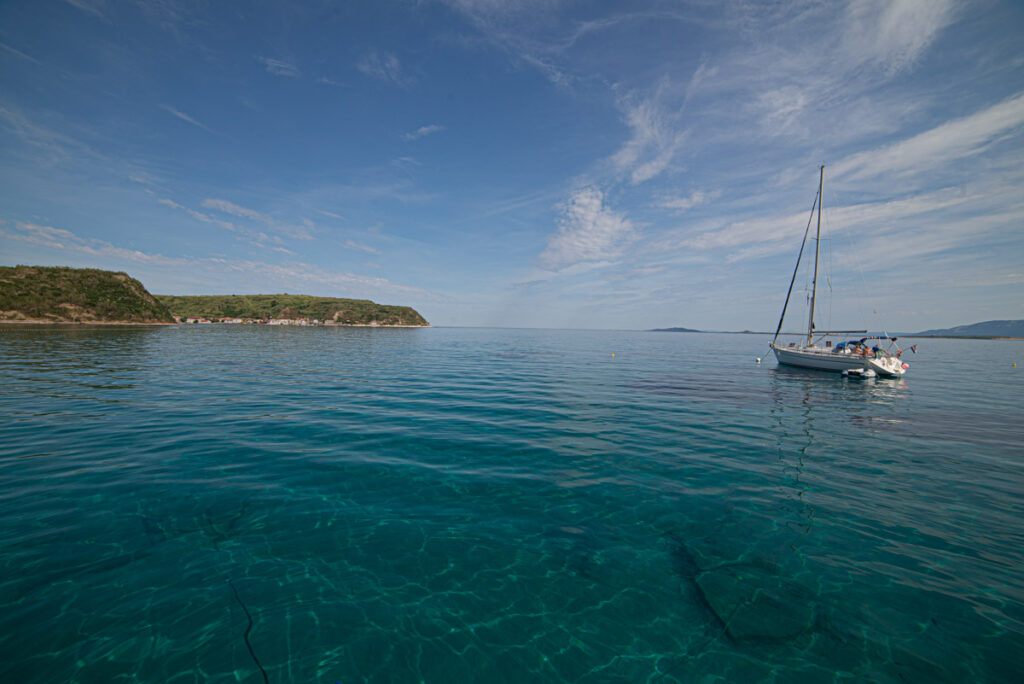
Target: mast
column 817, row 249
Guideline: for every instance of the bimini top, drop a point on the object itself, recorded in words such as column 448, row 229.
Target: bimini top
column 862, row 340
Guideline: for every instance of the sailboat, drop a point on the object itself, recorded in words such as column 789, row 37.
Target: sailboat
column 816, row 350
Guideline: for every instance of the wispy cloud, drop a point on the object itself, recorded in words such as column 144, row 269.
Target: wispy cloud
column 185, row 117
column 298, row 274
column 893, row 33
column 951, row 233
column 258, row 237
column 385, row 67
column 351, row 244
column 236, row 210
column 695, row 198
column 142, row 178
column 948, row 142
column 587, row 232
column 548, row 68
column 31, row 132
column 19, row 53
column 523, row 30
column 279, row 67
column 88, row 7
column 423, row 131
column 291, row 275
column 65, row 240
column 829, row 65
column 302, row 230
column 781, row 109
column 654, row 141
column 754, row 238
column 200, row 216
column 512, row 205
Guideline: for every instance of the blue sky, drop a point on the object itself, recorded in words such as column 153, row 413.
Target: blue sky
column 526, row 163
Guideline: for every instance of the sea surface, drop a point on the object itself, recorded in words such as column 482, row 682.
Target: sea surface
column 241, row 504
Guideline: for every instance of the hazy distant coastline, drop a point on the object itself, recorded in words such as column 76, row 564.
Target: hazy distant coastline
column 986, row 330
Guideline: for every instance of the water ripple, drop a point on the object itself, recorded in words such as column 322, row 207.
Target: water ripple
column 216, row 503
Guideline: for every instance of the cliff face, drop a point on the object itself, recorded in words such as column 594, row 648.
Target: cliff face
column 329, row 309
column 77, row 295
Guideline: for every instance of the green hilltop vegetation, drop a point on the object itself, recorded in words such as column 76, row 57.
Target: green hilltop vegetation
column 60, row 294
column 330, row 309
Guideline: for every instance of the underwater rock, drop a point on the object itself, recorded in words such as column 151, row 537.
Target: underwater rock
column 753, row 601
column 756, row 604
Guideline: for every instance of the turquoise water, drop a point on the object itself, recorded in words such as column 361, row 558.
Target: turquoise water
column 223, row 504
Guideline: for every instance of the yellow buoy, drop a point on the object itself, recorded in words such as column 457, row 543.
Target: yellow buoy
column 613, row 354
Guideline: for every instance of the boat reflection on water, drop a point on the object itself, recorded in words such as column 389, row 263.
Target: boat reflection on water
column 819, row 416
column 816, row 387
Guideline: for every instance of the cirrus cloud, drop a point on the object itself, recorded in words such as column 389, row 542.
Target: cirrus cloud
column 588, row 231
column 385, row 67
column 945, row 143
column 278, row 67
column 423, row 131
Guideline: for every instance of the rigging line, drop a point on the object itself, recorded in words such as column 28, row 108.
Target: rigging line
column 851, row 250
column 828, row 277
column 817, row 198
column 248, row 644
column 863, row 282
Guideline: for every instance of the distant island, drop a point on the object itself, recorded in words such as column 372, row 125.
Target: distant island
column 1013, row 329
column 57, row 294
column 983, row 329
column 291, row 308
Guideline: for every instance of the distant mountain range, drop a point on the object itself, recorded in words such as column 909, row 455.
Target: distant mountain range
column 984, row 329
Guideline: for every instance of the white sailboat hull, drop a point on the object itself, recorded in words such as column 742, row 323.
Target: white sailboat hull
column 817, row 358
column 849, row 356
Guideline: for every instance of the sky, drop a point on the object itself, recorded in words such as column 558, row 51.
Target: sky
column 528, row 163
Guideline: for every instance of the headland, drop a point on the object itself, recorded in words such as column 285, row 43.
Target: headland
column 59, row 294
